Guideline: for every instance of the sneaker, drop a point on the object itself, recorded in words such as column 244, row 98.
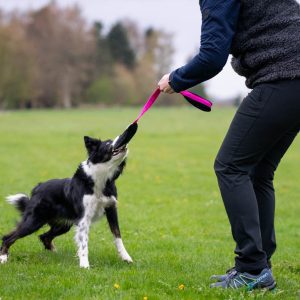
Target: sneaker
column 237, row 280
column 228, row 272
column 223, row 276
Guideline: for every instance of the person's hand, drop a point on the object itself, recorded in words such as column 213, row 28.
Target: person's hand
column 164, row 85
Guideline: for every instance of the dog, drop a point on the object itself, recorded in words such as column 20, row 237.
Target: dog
column 79, row 201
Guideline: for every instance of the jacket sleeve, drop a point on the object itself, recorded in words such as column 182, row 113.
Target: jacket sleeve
column 219, row 20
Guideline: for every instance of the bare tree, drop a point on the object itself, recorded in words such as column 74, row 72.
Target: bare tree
column 159, row 50
column 64, row 51
column 17, row 65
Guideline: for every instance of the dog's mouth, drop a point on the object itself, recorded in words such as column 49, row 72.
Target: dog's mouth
column 119, row 150
column 120, row 142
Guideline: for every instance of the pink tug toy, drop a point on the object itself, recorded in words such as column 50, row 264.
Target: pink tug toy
column 192, row 98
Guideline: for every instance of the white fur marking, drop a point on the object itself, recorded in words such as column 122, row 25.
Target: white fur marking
column 84, row 263
column 3, row 258
column 82, row 234
column 122, row 251
column 100, row 173
column 13, row 199
column 95, row 204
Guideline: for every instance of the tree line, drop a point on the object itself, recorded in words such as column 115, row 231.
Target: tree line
column 52, row 57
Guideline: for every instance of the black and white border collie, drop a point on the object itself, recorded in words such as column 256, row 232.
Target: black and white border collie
column 80, row 201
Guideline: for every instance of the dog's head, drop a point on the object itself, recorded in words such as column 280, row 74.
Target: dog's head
column 104, row 153
column 109, row 154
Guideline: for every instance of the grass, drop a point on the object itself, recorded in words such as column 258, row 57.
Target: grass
column 171, row 215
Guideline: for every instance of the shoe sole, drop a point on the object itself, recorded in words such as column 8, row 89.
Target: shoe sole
column 268, row 287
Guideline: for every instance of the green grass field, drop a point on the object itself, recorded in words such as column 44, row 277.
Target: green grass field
column 171, row 214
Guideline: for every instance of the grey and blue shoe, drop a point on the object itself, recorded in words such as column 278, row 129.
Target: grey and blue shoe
column 234, row 279
column 222, row 277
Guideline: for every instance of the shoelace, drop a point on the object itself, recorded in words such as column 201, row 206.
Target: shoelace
column 231, row 275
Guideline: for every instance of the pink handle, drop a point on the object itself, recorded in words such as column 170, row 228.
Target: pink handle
column 157, row 92
column 196, row 98
column 148, row 104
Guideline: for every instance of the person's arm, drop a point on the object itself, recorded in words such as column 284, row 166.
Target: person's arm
column 219, row 20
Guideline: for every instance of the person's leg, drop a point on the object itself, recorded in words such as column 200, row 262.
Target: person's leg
column 262, row 179
column 261, row 121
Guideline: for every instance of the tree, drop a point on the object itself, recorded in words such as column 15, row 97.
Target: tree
column 64, row 51
column 101, row 90
column 159, row 50
column 155, row 62
column 114, row 81
column 103, row 56
column 17, row 66
column 135, row 37
column 119, row 46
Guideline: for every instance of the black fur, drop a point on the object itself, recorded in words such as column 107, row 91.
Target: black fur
column 21, row 204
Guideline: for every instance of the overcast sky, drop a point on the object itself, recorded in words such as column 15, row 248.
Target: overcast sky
column 180, row 17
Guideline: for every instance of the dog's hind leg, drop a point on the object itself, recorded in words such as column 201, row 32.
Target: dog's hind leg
column 3, row 249
column 112, row 218
column 27, row 226
column 55, row 230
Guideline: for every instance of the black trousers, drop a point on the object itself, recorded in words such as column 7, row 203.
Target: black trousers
column 262, row 130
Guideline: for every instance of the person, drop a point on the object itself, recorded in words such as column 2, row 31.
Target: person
column 263, row 37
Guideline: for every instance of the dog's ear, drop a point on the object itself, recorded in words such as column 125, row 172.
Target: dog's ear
column 91, row 144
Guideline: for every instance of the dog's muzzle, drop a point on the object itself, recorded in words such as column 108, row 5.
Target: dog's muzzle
column 119, row 150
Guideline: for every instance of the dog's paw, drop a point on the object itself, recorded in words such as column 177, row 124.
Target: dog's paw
column 84, row 263
column 3, row 258
column 127, row 258
column 48, row 244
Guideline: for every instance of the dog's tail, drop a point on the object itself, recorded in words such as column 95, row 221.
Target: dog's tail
column 20, row 201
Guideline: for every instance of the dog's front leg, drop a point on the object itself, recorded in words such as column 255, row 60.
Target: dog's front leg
column 112, row 218
column 81, row 238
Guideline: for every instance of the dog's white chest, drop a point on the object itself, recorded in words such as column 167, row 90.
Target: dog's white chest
column 94, row 206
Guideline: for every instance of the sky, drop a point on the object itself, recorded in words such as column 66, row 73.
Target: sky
column 180, row 17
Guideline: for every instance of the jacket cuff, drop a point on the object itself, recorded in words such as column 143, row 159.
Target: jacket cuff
column 174, row 83
column 178, row 83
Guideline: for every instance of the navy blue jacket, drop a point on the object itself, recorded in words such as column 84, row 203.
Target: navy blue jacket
column 219, row 22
